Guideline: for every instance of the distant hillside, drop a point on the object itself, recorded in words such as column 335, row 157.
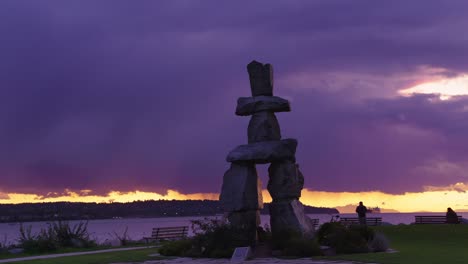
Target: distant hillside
column 162, row 208
column 75, row 211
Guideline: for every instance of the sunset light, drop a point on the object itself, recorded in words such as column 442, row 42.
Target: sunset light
column 446, row 88
column 239, row 129
column 441, row 198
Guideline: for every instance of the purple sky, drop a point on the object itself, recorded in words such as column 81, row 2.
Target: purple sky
column 125, row 95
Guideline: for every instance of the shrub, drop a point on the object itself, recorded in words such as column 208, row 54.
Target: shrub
column 379, row 243
column 176, row 248
column 56, row 235
column 213, row 238
column 301, row 247
column 264, row 234
column 76, row 236
column 124, row 239
column 218, row 239
column 42, row 242
column 345, row 239
column 282, row 237
column 293, row 243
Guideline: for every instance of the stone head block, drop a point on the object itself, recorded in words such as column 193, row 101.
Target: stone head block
column 261, row 78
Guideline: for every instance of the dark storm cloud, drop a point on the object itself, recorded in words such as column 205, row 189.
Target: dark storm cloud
column 115, row 95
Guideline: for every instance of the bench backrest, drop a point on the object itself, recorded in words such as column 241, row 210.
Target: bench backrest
column 432, row 219
column 169, row 232
column 370, row 221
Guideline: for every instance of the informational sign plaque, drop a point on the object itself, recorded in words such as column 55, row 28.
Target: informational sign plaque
column 240, row 254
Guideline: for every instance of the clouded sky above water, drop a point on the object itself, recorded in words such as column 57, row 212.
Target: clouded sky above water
column 124, row 96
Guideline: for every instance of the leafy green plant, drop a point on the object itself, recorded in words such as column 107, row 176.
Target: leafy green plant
column 42, row 242
column 293, row 243
column 56, row 235
column 345, row 239
column 123, row 238
column 379, row 243
column 176, row 247
column 67, row 236
column 213, row 238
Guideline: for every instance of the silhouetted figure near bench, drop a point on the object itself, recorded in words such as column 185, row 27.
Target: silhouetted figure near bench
column 361, row 210
column 452, row 217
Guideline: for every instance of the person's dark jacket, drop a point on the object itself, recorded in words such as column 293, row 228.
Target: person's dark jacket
column 452, row 217
column 361, row 210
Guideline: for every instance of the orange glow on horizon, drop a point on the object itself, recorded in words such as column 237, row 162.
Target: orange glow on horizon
column 433, row 199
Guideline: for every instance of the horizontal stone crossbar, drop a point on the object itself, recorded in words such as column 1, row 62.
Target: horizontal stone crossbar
column 265, row 151
column 250, row 105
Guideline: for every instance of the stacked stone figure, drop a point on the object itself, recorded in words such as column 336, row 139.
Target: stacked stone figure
column 241, row 191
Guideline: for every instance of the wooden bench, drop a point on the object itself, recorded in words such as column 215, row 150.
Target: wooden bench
column 370, row 221
column 433, row 219
column 167, row 233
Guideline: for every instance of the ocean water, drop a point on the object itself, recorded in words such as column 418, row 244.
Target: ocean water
column 137, row 228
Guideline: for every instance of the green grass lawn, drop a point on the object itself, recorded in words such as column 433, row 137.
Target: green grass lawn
column 101, row 258
column 420, row 244
column 415, row 243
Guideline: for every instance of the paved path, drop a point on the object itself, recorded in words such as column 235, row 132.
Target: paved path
column 254, row 261
column 69, row 254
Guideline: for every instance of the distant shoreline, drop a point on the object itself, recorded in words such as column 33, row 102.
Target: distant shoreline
column 67, row 211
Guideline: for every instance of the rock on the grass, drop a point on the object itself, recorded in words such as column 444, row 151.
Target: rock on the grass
column 286, row 181
column 265, row 151
column 263, row 126
column 250, row 105
column 241, row 188
column 290, row 215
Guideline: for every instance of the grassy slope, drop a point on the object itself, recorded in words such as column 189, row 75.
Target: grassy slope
column 103, row 258
column 420, row 244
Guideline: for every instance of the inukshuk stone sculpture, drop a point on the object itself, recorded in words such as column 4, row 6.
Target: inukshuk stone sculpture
column 241, row 191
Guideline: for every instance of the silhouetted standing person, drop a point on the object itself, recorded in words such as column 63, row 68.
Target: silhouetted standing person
column 452, row 217
column 361, row 210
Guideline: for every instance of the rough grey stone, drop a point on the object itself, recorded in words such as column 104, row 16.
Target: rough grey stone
column 245, row 218
column 261, row 78
column 290, row 215
column 286, row 181
column 263, row 126
column 242, row 189
column 250, row 105
column 265, row 151
column 247, row 223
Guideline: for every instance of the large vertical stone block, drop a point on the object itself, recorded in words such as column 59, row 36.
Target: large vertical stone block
column 289, row 215
column 263, row 126
column 241, row 190
column 286, row 181
column 246, row 223
column 261, row 78
column 245, row 219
